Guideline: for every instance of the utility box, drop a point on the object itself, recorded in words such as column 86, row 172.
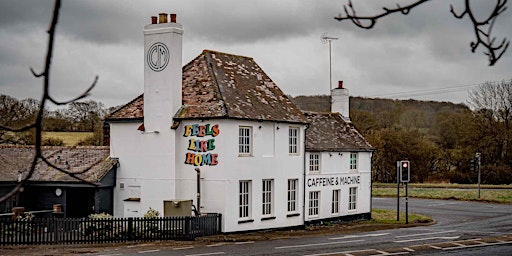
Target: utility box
column 177, row 208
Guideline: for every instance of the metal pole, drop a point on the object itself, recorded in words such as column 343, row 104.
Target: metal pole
column 198, row 172
column 397, row 190
column 479, row 176
column 330, row 67
column 406, row 204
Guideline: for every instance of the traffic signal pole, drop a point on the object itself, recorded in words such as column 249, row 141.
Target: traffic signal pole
column 397, row 190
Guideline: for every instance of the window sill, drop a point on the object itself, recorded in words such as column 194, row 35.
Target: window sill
column 245, row 221
column 244, row 155
column 292, row 215
column 269, row 218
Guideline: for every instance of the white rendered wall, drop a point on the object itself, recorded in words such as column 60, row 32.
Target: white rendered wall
column 335, row 174
column 220, row 183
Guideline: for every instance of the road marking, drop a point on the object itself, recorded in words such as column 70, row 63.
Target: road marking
column 248, row 242
column 183, row 248
column 431, row 233
column 113, row 254
column 358, row 236
column 409, row 249
column 428, row 238
column 440, row 204
column 474, row 245
column 202, row 254
column 138, row 245
column 215, row 245
column 149, row 251
column 309, row 245
column 344, row 252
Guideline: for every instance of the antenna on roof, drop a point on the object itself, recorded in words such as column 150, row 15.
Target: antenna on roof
column 327, row 39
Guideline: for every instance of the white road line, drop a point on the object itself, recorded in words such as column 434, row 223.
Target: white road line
column 149, row 251
column 442, row 204
column 309, row 245
column 183, row 248
column 344, row 252
column 428, row 238
column 113, row 254
column 431, row 233
column 202, row 254
column 409, row 249
column 248, row 242
column 358, row 236
column 475, row 245
column 215, row 245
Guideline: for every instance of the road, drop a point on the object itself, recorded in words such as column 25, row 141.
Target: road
column 462, row 228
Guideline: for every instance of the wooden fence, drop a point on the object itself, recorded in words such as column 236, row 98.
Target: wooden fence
column 107, row 230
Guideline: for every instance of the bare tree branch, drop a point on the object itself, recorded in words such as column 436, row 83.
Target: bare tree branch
column 38, row 123
column 483, row 36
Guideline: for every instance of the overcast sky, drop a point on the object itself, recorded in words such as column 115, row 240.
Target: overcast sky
column 426, row 52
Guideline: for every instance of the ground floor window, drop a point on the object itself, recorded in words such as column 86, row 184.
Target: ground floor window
column 335, row 205
column 244, row 199
column 314, row 197
column 352, row 198
column 267, row 197
column 292, row 195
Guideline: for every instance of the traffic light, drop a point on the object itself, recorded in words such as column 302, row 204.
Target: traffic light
column 405, row 171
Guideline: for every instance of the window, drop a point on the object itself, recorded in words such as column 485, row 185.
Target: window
column 244, row 140
column 267, row 197
column 244, row 199
column 353, row 161
column 293, row 140
column 313, row 202
column 335, row 205
column 352, row 198
column 314, row 162
column 292, row 195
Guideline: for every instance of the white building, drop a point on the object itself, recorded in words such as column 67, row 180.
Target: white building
column 221, row 115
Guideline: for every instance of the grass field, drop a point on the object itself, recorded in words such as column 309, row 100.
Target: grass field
column 488, row 193
column 389, row 217
column 69, row 138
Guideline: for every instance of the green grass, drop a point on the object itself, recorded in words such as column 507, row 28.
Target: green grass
column 69, row 138
column 498, row 194
column 389, row 217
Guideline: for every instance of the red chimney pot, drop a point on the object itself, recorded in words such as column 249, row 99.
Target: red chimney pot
column 154, row 20
column 173, row 18
column 340, row 84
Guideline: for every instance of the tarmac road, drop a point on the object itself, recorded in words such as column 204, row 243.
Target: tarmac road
column 462, row 228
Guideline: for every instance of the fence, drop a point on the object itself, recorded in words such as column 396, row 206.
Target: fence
column 107, row 230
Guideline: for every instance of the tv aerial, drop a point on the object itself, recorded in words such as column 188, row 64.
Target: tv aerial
column 327, row 40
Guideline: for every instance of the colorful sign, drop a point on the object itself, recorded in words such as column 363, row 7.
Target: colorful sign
column 199, row 144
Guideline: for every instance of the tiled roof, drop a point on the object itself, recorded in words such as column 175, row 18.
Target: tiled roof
column 220, row 85
column 329, row 132
column 16, row 158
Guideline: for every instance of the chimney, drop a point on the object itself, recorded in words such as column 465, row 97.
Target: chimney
column 340, row 101
column 162, row 71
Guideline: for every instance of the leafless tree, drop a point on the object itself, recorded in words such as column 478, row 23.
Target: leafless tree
column 482, row 28
column 37, row 123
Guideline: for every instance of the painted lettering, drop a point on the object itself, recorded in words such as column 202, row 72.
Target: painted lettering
column 333, row 181
column 197, row 145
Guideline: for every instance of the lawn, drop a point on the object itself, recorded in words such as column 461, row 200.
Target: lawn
column 488, row 193
column 69, row 138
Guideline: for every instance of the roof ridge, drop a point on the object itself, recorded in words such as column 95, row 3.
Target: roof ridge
column 121, row 107
column 225, row 53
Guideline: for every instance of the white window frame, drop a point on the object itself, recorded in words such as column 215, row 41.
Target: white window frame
column 244, row 199
column 352, row 198
column 314, row 203
column 245, row 141
column 353, row 161
column 293, row 140
column 293, row 185
column 335, row 203
column 314, row 162
column 267, row 197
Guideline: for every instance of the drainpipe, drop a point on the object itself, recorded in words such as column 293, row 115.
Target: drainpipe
column 304, row 181
column 198, row 172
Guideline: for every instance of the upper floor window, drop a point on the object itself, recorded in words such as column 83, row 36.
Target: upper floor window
column 293, row 140
column 314, row 162
column 353, row 161
column 245, row 140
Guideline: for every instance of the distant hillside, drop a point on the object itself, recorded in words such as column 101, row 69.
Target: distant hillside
column 386, row 113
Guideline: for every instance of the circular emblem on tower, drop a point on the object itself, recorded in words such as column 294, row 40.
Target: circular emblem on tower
column 158, row 57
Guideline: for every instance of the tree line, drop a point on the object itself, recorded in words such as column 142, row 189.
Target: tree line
column 79, row 116
column 439, row 138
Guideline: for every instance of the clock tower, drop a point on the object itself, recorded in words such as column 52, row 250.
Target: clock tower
column 162, row 71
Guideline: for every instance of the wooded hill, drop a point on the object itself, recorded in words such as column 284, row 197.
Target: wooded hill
column 439, row 138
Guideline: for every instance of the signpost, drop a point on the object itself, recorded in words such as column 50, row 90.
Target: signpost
column 405, row 173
